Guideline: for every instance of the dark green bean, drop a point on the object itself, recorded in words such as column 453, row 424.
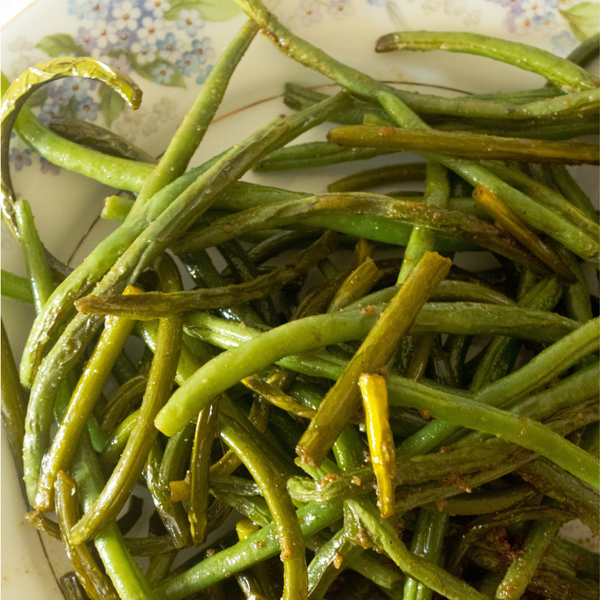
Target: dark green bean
column 380, row 176
column 131, row 463
column 373, row 216
column 427, row 542
column 284, row 518
column 522, row 569
column 16, row 288
column 125, row 399
column 172, row 514
column 73, row 422
column 206, row 430
column 14, row 403
column 159, row 304
column 244, row 270
column 463, row 145
column 566, row 489
column 91, row 577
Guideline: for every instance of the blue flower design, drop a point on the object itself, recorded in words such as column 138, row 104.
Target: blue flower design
column 86, row 39
column 48, row 112
column 563, row 43
column 203, row 50
column 190, row 21
column 77, row 87
column 189, row 63
column 168, row 48
column 376, row 2
column 87, row 109
column 47, row 167
column 163, row 73
column 20, row 158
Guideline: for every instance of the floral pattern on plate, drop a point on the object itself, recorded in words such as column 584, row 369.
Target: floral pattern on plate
column 165, row 42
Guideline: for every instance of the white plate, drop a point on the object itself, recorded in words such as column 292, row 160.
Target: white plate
column 176, row 43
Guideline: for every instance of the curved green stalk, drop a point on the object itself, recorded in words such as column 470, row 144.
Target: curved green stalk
column 560, row 71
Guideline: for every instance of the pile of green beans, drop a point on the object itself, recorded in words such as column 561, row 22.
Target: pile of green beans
column 236, row 400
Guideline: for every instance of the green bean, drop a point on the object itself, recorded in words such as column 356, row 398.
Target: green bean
column 278, row 243
column 206, row 429
column 486, row 502
column 33, row 79
column 507, row 219
column 43, row 523
column 540, row 116
column 124, row 400
column 380, row 176
column 171, row 514
column 566, row 127
column 190, row 132
column 521, row 570
column 502, row 352
column 179, row 214
column 373, row 216
column 340, row 402
column 203, row 272
column 118, row 562
column 586, row 51
column 16, row 288
column 482, row 525
column 284, row 518
column 91, row 577
column 384, row 536
column 420, row 357
column 80, row 407
column 358, row 283
column 277, row 397
column 330, row 560
column 14, row 403
column 314, row 154
column 427, row 542
column 35, row 260
column 158, row 304
column 160, row 380
column 437, row 192
column 363, row 85
column 117, row 441
column 576, row 299
column 563, row 487
column 500, row 106
column 245, row 271
column 116, row 172
column 463, row 145
column 562, row 72
column 569, row 188
column 98, row 138
column 546, row 196
column 540, row 370
column 159, row 567
column 582, row 560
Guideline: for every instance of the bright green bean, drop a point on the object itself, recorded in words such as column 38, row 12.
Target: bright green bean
column 560, row 71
